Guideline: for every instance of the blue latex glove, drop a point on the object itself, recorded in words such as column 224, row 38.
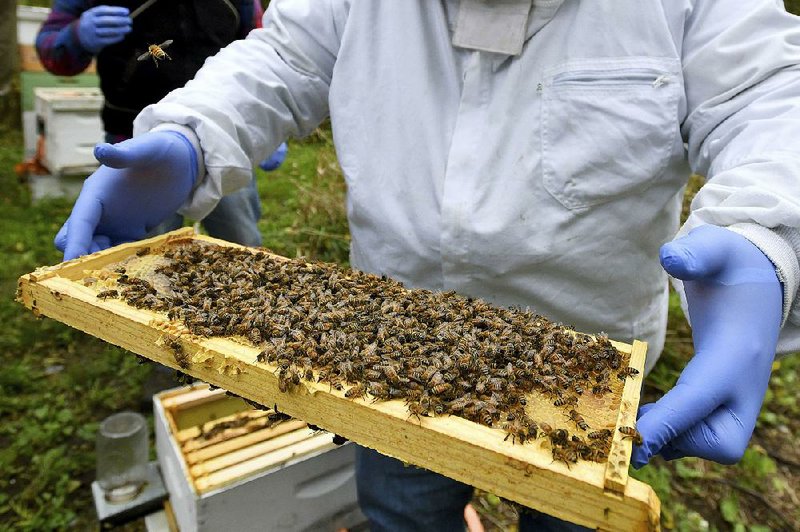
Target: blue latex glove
column 103, row 25
column 142, row 181
column 735, row 306
column 274, row 161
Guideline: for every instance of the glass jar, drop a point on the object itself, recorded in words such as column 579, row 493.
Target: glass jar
column 122, row 456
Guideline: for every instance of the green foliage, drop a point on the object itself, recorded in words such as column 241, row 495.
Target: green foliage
column 756, row 467
column 792, row 6
column 729, row 508
column 303, row 203
column 659, row 477
column 35, row 3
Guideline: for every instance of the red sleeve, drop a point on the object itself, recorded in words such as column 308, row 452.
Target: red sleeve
column 258, row 14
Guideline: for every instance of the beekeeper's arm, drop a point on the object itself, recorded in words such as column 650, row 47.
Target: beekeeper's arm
column 201, row 141
column 737, row 254
column 75, row 32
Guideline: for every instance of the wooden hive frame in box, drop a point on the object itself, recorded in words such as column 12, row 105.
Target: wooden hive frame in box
column 599, row 495
column 251, row 446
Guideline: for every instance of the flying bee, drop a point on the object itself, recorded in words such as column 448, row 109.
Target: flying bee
column 632, row 433
column 156, row 51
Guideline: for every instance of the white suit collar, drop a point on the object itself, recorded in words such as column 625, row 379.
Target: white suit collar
column 500, row 26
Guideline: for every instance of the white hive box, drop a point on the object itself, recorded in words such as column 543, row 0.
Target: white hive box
column 29, row 20
column 69, row 120
column 247, row 476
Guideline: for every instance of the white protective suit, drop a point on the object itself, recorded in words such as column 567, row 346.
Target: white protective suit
column 547, row 179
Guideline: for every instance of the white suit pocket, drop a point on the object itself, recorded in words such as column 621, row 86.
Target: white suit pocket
column 608, row 127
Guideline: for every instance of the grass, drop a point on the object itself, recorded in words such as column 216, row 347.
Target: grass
column 56, row 383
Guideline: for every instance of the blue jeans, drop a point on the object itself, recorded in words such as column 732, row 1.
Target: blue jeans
column 399, row 498
column 235, row 218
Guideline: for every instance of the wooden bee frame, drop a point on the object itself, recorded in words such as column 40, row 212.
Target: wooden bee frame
column 599, row 495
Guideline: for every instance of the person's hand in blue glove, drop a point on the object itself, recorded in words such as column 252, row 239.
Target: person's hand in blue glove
column 735, row 306
column 103, row 25
column 274, row 161
column 142, row 181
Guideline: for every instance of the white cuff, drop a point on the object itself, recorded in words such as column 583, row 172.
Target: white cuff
column 781, row 245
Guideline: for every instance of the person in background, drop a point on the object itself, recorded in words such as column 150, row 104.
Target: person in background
column 532, row 153
column 77, row 31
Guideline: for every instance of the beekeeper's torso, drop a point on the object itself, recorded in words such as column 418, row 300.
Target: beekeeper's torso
column 546, row 179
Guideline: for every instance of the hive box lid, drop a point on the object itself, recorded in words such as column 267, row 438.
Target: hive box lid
column 72, row 99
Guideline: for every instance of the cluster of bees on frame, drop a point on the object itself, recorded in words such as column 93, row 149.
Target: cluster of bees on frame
column 372, row 338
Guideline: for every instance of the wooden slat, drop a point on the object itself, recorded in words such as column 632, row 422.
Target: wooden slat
column 455, row 447
column 195, row 432
column 194, row 456
column 217, row 479
column 199, row 395
column 619, row 457
column 242, row 455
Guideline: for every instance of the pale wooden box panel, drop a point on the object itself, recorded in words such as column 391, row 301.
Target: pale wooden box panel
column 593, row 494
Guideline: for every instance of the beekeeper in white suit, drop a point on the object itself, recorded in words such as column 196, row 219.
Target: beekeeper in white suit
column 532, row 153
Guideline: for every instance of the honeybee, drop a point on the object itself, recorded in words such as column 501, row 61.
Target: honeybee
column 288, row 378
column 105, row 294
column 627, row 372
column 520, row 429
column 566, row 455
column 578, row 419
column 181, row 356
column 156, row 51
column 359, row 390
column 632, row 433
column 568, row 400
column 599, row 434
column 600, row 389
column 439, row 389
column 416, row 410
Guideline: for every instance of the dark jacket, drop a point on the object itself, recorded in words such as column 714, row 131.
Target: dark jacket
column 197, row 29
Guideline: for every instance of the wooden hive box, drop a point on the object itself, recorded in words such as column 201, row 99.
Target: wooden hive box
column 227, row 467
column 599, row 495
